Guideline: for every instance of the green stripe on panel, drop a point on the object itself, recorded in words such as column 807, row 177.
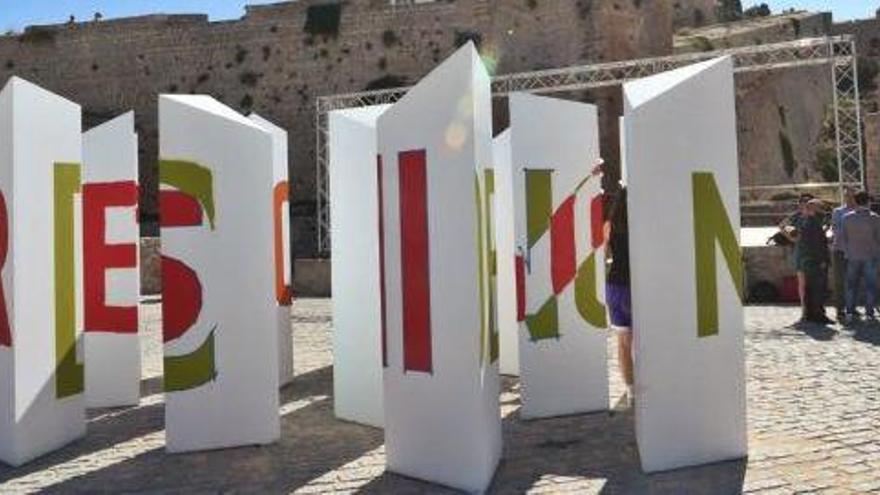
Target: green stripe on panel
column 711, row 224
column 539, row 203
column 481, row 266
column 545, row 323
column 586, row 296
column 191, row 178
column 69, row 374
column 191, row 370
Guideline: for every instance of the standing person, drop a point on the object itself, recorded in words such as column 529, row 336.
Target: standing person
column 861, row 245
column 838, row 258
column 791, row 227
column 812, row 245
column 617, row 286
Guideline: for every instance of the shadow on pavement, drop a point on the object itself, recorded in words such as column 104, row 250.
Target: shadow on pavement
column 600, row 447
column 312, row 444
column 816, row 331
column 868, row 332
column 105, row 428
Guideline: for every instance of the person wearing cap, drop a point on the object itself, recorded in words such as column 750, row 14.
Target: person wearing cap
column 860, row 241
column 838, row 258
column 812, row 246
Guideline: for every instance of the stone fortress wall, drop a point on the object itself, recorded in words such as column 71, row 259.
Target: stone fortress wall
column 278, row 58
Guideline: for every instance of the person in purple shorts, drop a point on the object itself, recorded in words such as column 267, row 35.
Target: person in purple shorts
column 617, row 285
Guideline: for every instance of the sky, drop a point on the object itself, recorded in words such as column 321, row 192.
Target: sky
column 16, row 14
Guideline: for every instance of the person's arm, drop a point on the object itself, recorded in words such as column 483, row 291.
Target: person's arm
column 876, row 236
column 786, row 231
column 835, row 222
column 843, row 244
column 785, row 222
column 606, row 234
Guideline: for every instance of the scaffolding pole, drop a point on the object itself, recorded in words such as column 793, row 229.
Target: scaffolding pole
column 838, row 52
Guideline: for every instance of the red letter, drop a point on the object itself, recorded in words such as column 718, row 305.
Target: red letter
column 414, row 261
column 5, row 331
column 382, row 259
column 563, row 263
column 98, row 257
column 279, row 197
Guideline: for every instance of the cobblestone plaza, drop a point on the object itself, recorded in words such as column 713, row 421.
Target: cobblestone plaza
column 813, row 412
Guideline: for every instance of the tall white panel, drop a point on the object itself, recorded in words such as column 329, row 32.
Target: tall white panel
column 42, row 404
column 281, row 246
column 505, row 247
column 560, row 256
column 681, row 167
column 354, row 226
column 442, row 420
column 110, row 259
column 219, row 313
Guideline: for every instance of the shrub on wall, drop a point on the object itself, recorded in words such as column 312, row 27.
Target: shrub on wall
column 788, row 161
column 37, row 34
column 387, row 82
column 462, row 37
column 323, row 19
column 389, row 38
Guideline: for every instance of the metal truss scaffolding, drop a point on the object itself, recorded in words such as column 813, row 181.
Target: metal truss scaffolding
column 838, row 53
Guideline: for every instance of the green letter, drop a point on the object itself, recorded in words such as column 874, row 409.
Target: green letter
column 69, row 378
column 712, row 224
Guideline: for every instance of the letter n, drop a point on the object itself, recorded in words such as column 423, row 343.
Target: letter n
column 711, row 226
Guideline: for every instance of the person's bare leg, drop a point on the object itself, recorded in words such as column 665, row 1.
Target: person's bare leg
column 802, row 287
column 624, row 357
column 802, row 293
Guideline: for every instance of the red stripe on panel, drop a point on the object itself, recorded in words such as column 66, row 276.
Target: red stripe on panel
column 597, row 218
column 563, row 261
column 179, row 209
column 181, row 298
column 99, row 257
column 382, row 259
column 414, row 261
column 5, row 329
column 520, row 288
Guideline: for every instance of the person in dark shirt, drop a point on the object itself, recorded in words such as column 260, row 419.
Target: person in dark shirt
column 812, row 245
column 790, row 227
column 617, row 285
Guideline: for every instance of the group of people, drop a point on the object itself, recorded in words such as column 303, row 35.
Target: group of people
column 854, row 256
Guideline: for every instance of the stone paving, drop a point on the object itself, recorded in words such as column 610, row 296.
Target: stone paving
column 814, row 419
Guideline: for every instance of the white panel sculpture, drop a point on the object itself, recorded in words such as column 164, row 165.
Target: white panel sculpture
column 357, row 314
column 41, row 365
column 281, row 246
column 442, row 419
column 560, row 258
column 220, row 315
column 681, row 168
column 111, row 277
column 505, row 257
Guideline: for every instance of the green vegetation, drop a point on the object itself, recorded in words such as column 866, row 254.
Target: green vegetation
column 729, row 10
column 323, row 19
column 868, row 71
column 389, row 38
column 762, row 10
column 462, row 37
column 387, row 82
column 702, row 44
column 788, row 161
column 249, row 78
column 826, row 164
column 37, row 35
